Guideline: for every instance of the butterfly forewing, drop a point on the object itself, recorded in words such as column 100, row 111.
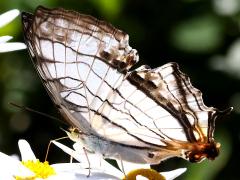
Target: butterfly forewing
column 69, row 58
column 84, row 64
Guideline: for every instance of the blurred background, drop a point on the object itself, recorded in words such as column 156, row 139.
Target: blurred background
column 201, row 35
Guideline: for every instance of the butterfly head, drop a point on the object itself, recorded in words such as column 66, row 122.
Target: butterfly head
column 202, row 151
column 73, row 133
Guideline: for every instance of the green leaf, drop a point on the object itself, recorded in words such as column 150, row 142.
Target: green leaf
column 109, row 9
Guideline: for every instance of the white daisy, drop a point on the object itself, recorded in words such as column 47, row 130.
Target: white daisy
column 132, row 170
column 6, row 46
column 31, row 168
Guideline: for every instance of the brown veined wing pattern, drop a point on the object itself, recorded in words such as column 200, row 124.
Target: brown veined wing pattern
column 68, row 57
column 151, row 114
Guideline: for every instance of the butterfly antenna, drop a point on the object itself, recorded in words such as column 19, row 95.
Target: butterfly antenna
column 24, row 108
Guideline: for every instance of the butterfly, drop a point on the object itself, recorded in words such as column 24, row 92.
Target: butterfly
column 138, row 115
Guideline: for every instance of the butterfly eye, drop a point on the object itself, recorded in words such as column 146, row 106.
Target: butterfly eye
column 193, row 158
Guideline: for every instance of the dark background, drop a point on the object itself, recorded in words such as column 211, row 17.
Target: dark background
column 201, row 35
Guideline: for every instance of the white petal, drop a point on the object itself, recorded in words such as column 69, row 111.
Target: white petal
column 6, row 47
column 72, row 171
column 96, row 161
column 80, row 156
column 15, row 156
column 128, row 166
column 11, row 167
column 4, row 39
column 25, row 150
column 67, row 150
column 173, row 174
column 8, row 16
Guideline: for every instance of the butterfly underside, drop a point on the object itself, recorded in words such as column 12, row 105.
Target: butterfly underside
column 143, row 115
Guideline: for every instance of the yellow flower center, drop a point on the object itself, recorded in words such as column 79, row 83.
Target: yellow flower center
column 148, row 173
column 41, row 170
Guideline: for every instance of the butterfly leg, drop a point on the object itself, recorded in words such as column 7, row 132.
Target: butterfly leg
column 89, row 167
column 49, row 144
column 122, row 167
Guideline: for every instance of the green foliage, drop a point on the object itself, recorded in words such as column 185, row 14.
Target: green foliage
column 200, row 34
column 11, row 28
column 109, row 9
